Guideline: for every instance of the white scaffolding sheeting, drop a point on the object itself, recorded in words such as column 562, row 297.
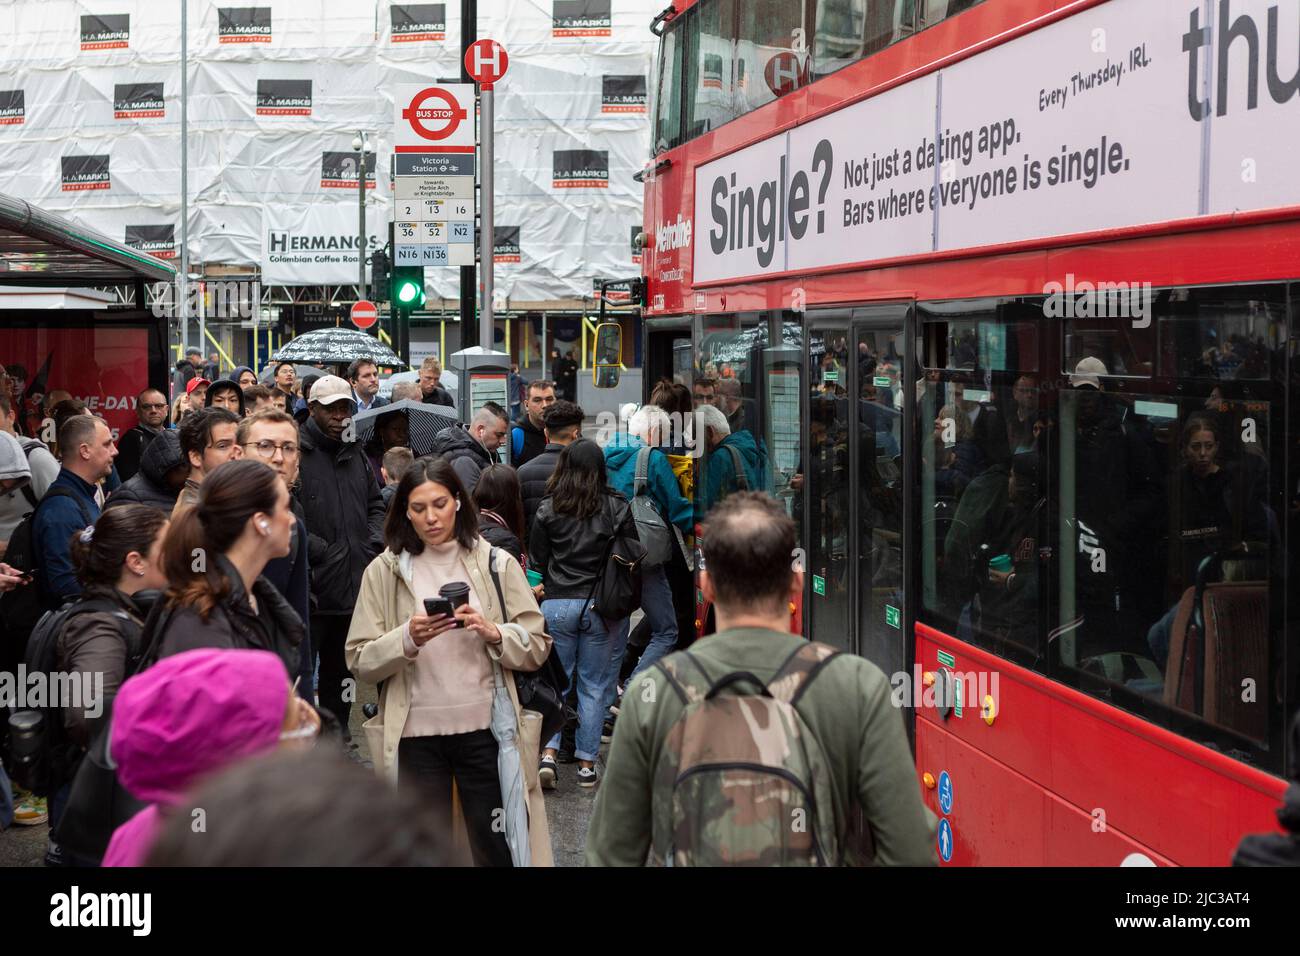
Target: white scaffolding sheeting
column 90, row 126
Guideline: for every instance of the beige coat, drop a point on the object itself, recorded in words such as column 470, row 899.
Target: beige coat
column 375, row 655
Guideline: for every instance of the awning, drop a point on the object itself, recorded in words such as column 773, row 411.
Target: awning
column 39, row 248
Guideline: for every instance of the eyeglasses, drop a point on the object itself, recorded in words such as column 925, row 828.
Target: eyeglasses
column 153, row 405
column 267, row 448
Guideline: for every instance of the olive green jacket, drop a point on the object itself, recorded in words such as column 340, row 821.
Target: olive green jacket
column 847, row 707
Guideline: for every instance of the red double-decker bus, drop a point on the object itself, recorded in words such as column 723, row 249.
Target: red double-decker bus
column 1005, row 295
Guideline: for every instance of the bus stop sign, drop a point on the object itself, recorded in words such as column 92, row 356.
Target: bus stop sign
column 434, row 122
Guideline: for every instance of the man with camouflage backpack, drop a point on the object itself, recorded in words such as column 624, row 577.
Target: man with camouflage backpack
column 756, row 747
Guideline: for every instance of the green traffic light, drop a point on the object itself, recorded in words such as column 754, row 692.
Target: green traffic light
column 407, row 292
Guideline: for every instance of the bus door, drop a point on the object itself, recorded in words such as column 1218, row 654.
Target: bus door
column 666, row 352
column 856, row 530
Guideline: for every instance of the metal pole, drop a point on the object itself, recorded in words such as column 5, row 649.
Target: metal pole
column 468, row 34
column 361, row 229
column 485, row 217
column 203, row 317
column 545, row 354
column 185, row 178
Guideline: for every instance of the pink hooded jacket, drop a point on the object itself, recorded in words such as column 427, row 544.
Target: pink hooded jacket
column 183, row 719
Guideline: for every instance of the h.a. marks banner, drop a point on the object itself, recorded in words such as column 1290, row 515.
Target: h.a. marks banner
column 106, row 31
column 13, row 108
column 158, row 241
column 80, row 173
column 580, row 169
column 243, row 24
column 284, row 97
column 138, row 101
column 418, row 22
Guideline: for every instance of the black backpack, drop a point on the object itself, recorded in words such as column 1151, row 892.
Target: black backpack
column 45, row 757
column 617, row 592
column 23, row 606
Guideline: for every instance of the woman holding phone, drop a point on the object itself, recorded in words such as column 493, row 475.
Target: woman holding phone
column 435, row 669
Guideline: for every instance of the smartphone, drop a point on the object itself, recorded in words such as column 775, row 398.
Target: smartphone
column 438, row 605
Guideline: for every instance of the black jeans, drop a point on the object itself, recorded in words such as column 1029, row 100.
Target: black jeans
column 329, row 632
column 431, row 763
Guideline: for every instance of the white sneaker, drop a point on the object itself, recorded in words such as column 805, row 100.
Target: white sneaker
column 546, row 773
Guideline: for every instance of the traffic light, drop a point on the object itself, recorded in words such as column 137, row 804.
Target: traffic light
column 408, row 287
column 379, row 277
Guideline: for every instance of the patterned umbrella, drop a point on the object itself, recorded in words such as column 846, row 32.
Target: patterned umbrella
column 339, row 345
column 423, row 422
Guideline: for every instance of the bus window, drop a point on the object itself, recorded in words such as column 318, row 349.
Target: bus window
column 985, row 481
column 748, row 366
column 1122, row 340
column 766, row 29
column 1219, row 334
column 710, row 66
column 848, row 30
column 668, row 97
column 1171, row 525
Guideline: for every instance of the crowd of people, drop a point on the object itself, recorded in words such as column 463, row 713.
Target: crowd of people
column 233, row 571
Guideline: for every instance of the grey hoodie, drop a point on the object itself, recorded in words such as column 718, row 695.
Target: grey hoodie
column 14, row 506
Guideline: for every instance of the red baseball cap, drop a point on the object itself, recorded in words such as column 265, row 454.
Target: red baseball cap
column 194, row 383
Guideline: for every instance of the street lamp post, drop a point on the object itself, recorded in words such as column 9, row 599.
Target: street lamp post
column 359, row 144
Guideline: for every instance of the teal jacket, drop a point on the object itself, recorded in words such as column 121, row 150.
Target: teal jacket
column 620, row 471
column 720, row 477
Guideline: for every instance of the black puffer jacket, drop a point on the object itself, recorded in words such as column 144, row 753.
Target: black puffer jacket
column 233, row 624
column 344, row 514
column 150, row 486
column 464, row 453
column 568, row 552
column 533, row 477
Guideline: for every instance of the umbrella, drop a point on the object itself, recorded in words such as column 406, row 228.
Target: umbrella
column 510, row 769
column 423, row 422
column 338, row 345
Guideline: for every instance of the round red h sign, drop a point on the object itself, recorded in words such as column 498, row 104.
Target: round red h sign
column 486, row 61
column 785, row 72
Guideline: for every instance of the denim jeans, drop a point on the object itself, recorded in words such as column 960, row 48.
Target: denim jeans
column 618, row 636
column 583, row 643
column 657, row 603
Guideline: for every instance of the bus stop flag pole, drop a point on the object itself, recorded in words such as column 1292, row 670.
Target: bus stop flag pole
column 486, row 62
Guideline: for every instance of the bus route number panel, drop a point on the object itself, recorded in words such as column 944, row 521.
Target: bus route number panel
column 433, row 209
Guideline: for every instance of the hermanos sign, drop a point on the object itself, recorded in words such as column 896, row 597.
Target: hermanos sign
column 1093, row 122
column 306, row 245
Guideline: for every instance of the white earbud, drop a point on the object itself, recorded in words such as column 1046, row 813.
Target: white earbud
column 457, row 504
column 264, row 525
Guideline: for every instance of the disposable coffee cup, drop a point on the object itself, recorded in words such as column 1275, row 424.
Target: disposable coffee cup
column 457, row 592
column 1001, row 563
